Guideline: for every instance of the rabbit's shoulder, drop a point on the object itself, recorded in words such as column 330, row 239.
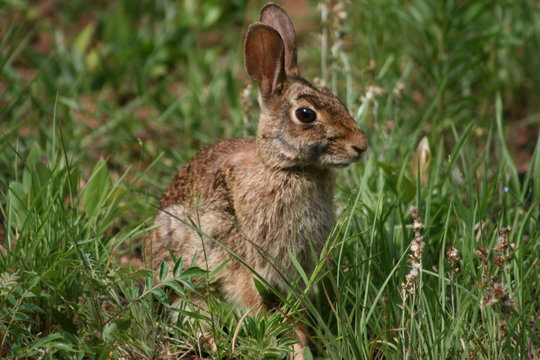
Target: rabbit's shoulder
column 205, row 174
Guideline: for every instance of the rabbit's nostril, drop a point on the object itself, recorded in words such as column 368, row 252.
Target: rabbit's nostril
column 358, row 149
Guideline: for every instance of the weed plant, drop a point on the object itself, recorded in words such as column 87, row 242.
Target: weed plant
column 436, row 252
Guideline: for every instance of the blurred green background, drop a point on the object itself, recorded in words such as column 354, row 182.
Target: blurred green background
column 128, row 80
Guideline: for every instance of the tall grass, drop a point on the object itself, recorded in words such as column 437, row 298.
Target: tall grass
column 101, row 103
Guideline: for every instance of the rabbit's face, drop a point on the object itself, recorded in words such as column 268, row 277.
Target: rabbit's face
column 308, row 126
column 300, row 125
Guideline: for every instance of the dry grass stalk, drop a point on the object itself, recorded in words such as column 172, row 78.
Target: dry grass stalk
column 495, row 291
column 415, row 257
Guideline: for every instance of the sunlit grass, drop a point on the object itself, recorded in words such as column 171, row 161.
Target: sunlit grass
column 100, row 105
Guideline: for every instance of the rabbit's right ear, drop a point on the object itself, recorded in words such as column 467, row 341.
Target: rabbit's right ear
column 264, row 57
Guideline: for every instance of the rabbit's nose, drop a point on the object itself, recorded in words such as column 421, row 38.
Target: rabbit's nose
column 360, row 143
column 359, row 150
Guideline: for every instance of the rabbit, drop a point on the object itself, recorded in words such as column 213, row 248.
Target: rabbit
column 259, row 199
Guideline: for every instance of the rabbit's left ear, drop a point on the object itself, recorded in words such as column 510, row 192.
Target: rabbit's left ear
column 275, row 16
column 263, row 53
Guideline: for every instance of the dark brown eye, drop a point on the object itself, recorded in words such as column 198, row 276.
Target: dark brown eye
column 305, row 115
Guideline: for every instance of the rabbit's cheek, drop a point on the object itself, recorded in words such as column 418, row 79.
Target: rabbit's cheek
column 313, row 152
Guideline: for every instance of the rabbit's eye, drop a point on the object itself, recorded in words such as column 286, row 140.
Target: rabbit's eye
column 305, row 115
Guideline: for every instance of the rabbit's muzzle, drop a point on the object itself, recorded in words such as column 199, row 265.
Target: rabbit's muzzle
column 343, row 151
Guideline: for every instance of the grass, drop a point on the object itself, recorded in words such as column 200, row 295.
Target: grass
column 101, row 103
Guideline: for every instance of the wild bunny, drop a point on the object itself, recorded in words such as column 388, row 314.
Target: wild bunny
column 261, row 198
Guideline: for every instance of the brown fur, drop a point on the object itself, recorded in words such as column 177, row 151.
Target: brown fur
column 259, row 199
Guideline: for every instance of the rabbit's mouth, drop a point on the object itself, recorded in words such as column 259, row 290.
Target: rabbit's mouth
column 339, row 161
column 342, row 163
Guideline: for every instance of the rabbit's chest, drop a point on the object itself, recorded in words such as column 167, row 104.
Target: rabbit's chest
column 307, row 220
column 292, row 214
column 285, row 226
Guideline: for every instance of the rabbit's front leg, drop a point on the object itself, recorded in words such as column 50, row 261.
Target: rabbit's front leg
column 302, row 341
column 247, row 296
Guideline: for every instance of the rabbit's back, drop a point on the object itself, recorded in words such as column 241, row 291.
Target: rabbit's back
column 201, row 177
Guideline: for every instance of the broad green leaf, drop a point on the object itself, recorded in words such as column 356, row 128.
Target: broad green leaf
column 175, row 286
column 160, row 295
column 163, row 270
column 193, row 271
column 178, row 265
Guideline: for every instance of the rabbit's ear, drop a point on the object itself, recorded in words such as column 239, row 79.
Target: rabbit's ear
column 264, row 55
column 275, row 16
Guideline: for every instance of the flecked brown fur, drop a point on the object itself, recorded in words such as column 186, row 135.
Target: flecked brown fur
column 259, row 199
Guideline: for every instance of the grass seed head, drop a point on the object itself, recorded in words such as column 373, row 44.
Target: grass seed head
column 499, row 261
column 503, row 243
column 319, row 82
column 509, row 302
column 415, row 257
column 488, row 300
column 452, row 254
column 482, row 254
column 497, row 293
column 498, row 290
column 398, row 89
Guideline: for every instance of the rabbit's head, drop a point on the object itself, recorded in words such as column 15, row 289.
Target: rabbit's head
column 300, row 125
